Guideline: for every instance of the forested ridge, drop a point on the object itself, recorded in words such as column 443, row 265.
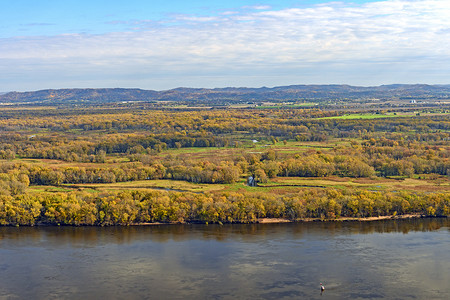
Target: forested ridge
column 66, row 166
column 220, row 96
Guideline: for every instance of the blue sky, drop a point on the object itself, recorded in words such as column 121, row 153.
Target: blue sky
column 49, row 17
column 166, row 44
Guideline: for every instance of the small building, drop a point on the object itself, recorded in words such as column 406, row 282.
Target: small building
column 251, row 181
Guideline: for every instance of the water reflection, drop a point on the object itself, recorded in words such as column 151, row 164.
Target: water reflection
column 358, row 260
column 83, row 236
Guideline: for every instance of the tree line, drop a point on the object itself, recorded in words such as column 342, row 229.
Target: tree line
column 134, row 207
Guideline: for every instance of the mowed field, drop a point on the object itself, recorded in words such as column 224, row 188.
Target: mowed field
column 369, row 116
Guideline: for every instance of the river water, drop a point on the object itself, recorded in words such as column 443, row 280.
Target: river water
column 403, row 259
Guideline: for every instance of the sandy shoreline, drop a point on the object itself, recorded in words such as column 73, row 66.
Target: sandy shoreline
column 342, row 219
column 281, row 220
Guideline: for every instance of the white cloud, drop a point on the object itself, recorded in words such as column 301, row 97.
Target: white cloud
column 258, row 7
column 258, row 42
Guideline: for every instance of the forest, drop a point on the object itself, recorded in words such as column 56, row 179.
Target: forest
column 137, row 163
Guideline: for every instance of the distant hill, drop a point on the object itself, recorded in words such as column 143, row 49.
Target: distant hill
column 79, row 95
column 231, row 94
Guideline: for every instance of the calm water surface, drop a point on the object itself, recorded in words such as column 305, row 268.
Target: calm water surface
column 385, row 259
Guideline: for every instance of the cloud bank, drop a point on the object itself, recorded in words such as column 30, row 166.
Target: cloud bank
column 374, row 43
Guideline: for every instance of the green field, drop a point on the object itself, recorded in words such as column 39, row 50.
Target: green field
column 370, row 116
column 367, row 116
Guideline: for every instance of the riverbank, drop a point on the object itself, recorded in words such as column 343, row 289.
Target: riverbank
column 161, row 207
column 344, row 219
column 282, row 220
column 257, row 221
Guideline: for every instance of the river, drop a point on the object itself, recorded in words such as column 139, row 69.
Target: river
column 403, row 259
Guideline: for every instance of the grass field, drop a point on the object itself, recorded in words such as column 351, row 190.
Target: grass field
column 286, row 105
column 376, row 184
column 367, row 116
column 163, row 184
column 276, row 185
column 259, row 148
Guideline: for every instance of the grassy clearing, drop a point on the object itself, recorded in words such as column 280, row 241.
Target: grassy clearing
column 279, row 185
column 292, row 146
column 189, row 150
column 110, row 162
column 259, row 148
column 330, row 182
column 151, row 184
column 377, row 184
column 287, row 105
column 36, row 189
column 367, row 116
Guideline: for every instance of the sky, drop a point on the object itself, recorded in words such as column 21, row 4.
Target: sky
column 159, row 45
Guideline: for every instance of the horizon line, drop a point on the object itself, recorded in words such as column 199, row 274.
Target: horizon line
column 227, row 87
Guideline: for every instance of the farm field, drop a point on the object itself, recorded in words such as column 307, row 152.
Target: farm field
column 377, row 115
